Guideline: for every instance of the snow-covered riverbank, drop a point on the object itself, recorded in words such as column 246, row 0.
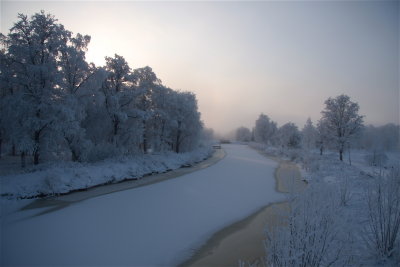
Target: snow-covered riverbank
column 66, row 177
column 353, row 197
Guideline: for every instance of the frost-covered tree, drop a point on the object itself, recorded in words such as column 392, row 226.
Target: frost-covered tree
column 378, row 141
column 265, row 129
column 76, row 74
column 323, row 138
column 308, row 135
column 390, row 136
column 186, row 122
column 288, row 135
column 5, row 91
column 11, row 118
column 75, row 70
column 53, row 103
column 243, row 134
column 382, row 138
column 148, row 87
column 342, row 121
column 33, row 46
column 159, row 126
column 117, row 95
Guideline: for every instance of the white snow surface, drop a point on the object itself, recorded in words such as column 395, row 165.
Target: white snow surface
column 66, row 177
column 158, row 224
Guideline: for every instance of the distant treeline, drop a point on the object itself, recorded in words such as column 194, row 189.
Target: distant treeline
column 340, row 127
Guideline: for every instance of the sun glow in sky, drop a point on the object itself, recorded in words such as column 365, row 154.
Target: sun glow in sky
column 243, row 58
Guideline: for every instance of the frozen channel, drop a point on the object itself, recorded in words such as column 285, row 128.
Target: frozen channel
column 158, row 224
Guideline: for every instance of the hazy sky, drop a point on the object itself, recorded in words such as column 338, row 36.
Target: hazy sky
column 243, row 58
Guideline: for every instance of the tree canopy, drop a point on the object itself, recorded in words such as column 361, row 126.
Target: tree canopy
column 54, row 103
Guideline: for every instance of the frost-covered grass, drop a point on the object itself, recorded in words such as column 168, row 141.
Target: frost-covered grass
column 61, row 178
column 337, row 207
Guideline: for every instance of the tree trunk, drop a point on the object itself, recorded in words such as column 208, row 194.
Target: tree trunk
column 321, row 150
column 162, row 146
column 144, row 137
column 1, row 142
column 74, row 155
column 178, row 137
column 144, row 144
column 115, row 132
column 36, row 157
column 349, row 156
column 177, row 142
column 341, row 155
column 374, row 158
column 13, row 150
column 36, row 153
column 23, row 163
column 115, row 128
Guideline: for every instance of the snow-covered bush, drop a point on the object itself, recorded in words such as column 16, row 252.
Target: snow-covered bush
column 345, row 191
column 376, row 158
column 310, row 163
column 313, row 234
column 101, row 152
column 383, row 199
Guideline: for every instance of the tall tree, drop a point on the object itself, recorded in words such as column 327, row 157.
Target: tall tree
column 288, row 135
column 147, row 83
column 5, row 91
column 265, row 129
column 65, row 105
column 342, row 120
column 243, row 134
column 76, row 73
column 33, row 46
column 75, row 70
column 115, row 90
column 309, row 135
column 323, row 137
column 186, row 121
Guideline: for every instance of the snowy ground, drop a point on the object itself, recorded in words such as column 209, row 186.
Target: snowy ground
column 159, row 224
column 334, row 181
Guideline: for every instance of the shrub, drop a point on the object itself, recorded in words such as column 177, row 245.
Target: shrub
column 378, row 159
column 312, row 235
column 383, row 199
